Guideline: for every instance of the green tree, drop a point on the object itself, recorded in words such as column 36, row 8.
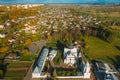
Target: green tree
column 24, row 53
column 54, row 75
column 1, row 73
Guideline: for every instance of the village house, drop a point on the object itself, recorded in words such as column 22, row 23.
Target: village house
column 11, row 56
column 11, row 40
column 2, row 35
column 1, row 27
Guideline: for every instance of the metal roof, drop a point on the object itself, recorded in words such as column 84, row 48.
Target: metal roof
column 40, row 62
column 100, row 65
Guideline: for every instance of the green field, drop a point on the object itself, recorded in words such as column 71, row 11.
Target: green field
column 99, row 49
column 17, row 70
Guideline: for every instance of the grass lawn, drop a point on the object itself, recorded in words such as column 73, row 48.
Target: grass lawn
column 116, row 40
column 16, row 70
column 99, row 49
column 116, row 43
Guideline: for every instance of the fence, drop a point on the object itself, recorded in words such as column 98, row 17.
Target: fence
column 28, row 75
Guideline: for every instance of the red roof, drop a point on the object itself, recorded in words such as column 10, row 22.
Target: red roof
column 47, row 73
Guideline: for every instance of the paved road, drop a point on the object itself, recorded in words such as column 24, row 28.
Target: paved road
column 36, row 46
